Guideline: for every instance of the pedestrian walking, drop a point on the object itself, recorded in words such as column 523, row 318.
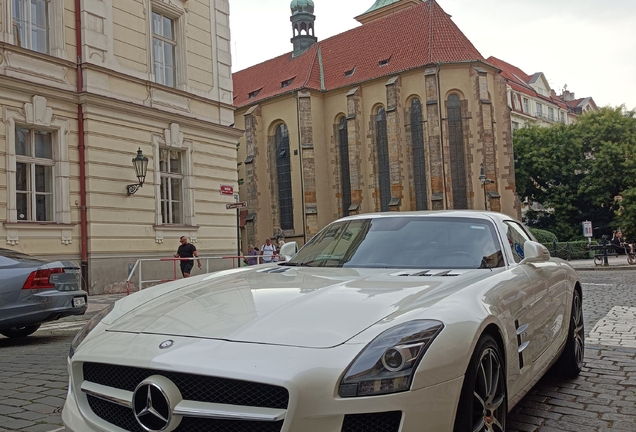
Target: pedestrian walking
column 252, row 254
column 187, row 250
column 267, row 251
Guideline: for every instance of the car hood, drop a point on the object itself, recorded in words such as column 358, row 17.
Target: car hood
column 309, row 307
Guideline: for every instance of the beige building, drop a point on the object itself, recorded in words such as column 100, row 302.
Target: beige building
column 397, row 114
column 533, row 101
column 78, row 101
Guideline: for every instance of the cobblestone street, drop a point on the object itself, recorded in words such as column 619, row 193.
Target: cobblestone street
column 33, row 372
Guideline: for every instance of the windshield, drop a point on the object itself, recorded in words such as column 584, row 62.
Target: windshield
column 404, row 242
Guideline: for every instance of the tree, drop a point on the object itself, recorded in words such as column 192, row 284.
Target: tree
column 578, row 171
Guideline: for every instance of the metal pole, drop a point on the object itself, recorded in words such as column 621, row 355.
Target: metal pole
column 238, row 231
column 485, row 200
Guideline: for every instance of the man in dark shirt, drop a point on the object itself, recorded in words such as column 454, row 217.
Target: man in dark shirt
column 187, row 250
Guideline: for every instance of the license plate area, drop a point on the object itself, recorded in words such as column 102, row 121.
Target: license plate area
column 79, row 301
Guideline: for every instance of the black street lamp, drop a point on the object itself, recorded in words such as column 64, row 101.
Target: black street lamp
column 484, row 181
column 140, row 163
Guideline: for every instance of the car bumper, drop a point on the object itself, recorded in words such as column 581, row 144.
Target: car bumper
column 310, row 376
column 40, row 307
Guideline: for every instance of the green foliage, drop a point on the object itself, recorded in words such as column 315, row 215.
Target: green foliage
column 543, row 236
column 578, row 170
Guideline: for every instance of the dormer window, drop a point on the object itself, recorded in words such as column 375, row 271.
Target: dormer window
column 350, row 72
column 287, row 82
column 384, row 62
column 253, row 94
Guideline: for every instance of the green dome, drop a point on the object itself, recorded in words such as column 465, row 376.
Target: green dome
column 379, row 4
column 302, row 6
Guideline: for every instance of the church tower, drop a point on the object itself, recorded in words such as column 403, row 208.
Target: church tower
column 302, row 20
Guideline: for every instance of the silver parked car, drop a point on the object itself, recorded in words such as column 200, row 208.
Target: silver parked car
column 33, row 291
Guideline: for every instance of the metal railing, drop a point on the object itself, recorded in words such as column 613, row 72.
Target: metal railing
column 237, row 261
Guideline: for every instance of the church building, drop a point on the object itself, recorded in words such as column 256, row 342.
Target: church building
column 400, row 113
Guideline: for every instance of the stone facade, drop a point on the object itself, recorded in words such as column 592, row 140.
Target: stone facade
column 98, row 105
column 486, row 139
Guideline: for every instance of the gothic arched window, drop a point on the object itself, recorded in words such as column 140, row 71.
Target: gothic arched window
column 384, row 173
column 419, row 157
column 345, row 178
column 283, row 173
column 457, row 152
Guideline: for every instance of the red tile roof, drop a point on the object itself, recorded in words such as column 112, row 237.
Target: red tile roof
column 414, row 37
column 519, row 81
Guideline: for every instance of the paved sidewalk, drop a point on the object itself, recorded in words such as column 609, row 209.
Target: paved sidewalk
column 614, row 263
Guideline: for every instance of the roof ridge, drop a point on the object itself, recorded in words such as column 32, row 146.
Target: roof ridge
column 315, row 47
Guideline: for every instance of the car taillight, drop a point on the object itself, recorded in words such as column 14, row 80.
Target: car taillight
column 39, row 279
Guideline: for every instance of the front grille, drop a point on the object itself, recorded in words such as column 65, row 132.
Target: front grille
column 375, row 422
column 198, row 388
column 124, row 418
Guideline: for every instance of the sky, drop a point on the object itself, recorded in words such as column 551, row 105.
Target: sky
column 588, row 45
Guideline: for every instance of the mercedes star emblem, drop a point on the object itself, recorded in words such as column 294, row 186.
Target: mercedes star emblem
column 166, row 344
column 152, row 408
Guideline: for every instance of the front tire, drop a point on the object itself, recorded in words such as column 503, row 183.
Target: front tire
column 20, row 332
column 483, row 404
column 571, row 361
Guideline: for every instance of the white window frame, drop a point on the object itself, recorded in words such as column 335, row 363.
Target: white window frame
column 178, row 16
column 31, row 191
column 167, row 216
column 56, row 30
column 37, row 115
column 172, row 139
column 551, row 114
column 539, row 109
column 526, row 105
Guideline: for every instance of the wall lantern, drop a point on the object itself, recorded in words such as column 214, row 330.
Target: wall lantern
column 140, row 163
column 484, row 181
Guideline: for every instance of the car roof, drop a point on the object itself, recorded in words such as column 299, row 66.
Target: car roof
column 8, row 253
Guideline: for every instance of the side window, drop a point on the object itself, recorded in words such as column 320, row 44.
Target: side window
column 517, row 237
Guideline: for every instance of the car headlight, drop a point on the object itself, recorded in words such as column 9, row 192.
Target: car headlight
column 388, row 363
column 90, row 325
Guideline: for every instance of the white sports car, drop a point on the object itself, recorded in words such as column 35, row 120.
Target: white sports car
column 394, row 322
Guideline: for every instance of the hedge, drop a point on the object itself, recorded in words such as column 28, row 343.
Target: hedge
column 570, row 250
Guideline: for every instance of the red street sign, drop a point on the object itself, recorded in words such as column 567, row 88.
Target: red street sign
column 227, row 190
column 236, row 205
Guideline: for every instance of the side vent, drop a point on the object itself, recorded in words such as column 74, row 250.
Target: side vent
column 521, row 346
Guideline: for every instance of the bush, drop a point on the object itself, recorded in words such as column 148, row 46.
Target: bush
column 569, row 250
column 543, row 236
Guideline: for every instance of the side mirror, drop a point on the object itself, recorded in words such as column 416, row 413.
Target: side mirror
column 288, row 250
column 534, row 252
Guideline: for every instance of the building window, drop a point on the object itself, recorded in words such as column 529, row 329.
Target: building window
column 457, row 152
column 34, row 175
column 515, row 126
column 551, row 114
column 171, row 171
column 345, row 177
column 31, row 24
column 164, row 46
column 384, row 173
column 283, row 173
column 539, row 110
column 561, row 116
column 419, row 157
column 526, row 105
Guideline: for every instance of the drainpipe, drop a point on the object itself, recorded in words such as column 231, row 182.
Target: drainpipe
column 441, row 132
column 302, row 173
column 81, row 148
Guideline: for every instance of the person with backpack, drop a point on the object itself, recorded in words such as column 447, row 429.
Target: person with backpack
column 267, row 251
